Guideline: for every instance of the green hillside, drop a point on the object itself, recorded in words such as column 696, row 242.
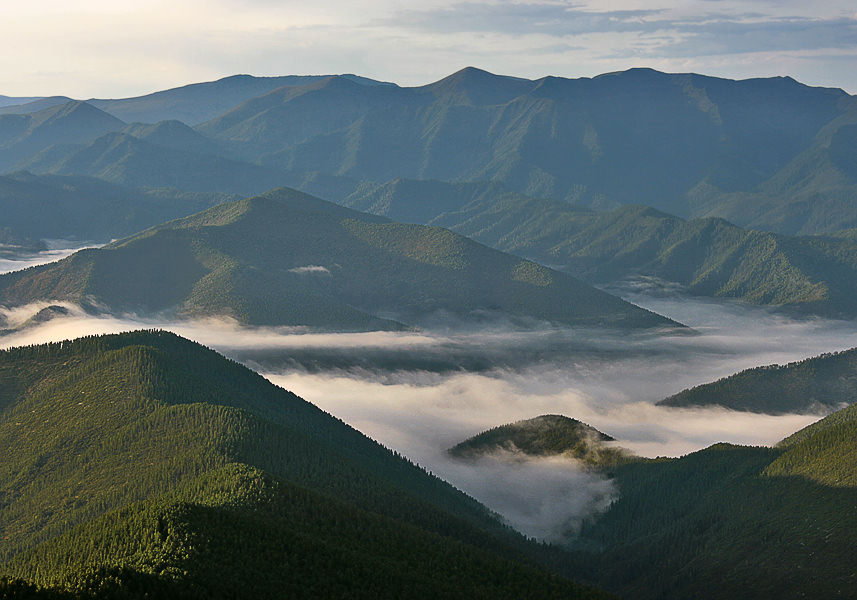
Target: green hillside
column 724, row 522
column 143, row 463
column 821, row 383
column 546, row 435
column 811, row 194
column 161, row 157
column 285, row 258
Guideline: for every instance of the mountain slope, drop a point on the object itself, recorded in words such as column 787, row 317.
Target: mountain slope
column 811, row 194
column 816, row 384
column 148, row 462
column 718, row 524
column 156, row 159
column 286, row 258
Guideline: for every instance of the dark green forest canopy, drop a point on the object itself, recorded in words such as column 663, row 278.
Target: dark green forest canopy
column 145, row 463
column 819, row 384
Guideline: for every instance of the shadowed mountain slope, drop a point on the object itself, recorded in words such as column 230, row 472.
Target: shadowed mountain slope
column 85, row 208
column 22, row 136
column 638, row 136
column 821, row 383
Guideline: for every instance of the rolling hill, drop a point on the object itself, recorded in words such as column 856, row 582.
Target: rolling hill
column 22, row 136
column 286, row 258
column 166, row 155
column 819, row 384
column 144, row 465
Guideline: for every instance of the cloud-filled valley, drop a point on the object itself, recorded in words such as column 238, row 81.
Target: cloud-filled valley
column 420, row 392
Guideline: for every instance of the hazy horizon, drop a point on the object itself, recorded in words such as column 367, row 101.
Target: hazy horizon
column 59, row 49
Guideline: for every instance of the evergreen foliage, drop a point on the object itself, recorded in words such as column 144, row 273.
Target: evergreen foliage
column 547, row 435
column 819, row 384
column 144, row 465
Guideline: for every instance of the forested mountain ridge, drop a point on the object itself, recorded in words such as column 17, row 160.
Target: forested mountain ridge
column 818, row 384
column 145, row 463
column 286, row 258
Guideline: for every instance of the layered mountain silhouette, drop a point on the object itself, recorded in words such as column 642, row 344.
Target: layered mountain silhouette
column 87, row 209
column 286, row 258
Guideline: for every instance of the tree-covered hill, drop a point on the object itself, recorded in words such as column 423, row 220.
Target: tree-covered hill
column 22, row 136
column 821, row 383
column 285, row 258
column 724, row 522
column 546, row 435
column 144, row 463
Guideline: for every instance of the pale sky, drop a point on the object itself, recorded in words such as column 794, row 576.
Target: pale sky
column 118, row 48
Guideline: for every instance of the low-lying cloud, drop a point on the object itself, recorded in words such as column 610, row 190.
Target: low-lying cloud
column 310, row 270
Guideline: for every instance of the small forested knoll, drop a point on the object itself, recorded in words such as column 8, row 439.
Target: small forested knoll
column 637, row 136
column 819, row 384
column 285, row 258
column 546, row 435
column 733, row 521
column 143, row 463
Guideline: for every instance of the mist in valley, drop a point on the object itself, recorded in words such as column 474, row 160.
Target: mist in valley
column 422, row 392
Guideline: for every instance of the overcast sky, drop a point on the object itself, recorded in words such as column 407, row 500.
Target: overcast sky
column 117, row 48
